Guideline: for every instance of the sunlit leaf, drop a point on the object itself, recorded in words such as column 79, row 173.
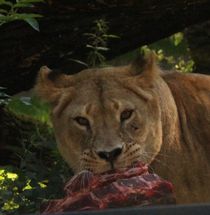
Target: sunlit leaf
column 10, row 205
column 28, row 186
column 177, row 38
column 42, row 185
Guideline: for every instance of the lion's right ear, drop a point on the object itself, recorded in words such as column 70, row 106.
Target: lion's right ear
column 50, row 84
column 145, row 69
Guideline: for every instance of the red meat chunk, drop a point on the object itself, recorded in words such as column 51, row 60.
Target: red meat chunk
column 132, row 186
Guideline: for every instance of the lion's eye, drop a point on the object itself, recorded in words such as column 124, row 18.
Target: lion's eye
column 82, row 121
column 126, row 114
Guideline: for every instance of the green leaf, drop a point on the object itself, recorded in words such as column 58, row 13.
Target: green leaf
column 79, row 62
column 30, row 1
column 3, row 18
column 90, row 35
column 100, row 57
column 112, row 36
column 101, row 48
column 3, row 11
column 21, row 5
column 26, row 100
column 3, row 2
column 23, row 16
column 29, row 18
column 177, row 38
column 89, row 46
column 33, row 23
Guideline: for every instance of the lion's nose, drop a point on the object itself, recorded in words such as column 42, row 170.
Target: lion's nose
column 110, row 156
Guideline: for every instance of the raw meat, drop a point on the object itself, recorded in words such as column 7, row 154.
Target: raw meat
column 132, row 186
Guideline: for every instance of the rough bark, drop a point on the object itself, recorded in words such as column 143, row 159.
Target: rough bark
column 62, row 29
column 198, row 37
column 17, row 131
column 11, row 128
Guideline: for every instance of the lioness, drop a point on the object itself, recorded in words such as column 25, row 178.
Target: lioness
column 111, row 117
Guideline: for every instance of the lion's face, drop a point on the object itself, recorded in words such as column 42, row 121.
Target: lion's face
column 105, row 119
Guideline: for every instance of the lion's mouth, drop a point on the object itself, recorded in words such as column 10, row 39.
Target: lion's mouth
column 112, row 165
column 130, row 155
column 121, row 163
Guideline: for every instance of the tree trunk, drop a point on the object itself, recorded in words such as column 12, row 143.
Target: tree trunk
column 62, row 29
column 198, row 38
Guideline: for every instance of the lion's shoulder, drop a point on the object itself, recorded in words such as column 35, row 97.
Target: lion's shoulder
column 191, row 88
column 187, row 80
column 191, row 93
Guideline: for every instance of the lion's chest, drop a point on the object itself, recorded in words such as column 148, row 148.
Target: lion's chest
column 189, row 174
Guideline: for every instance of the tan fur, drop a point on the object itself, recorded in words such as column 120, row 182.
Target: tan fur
column 169, row 128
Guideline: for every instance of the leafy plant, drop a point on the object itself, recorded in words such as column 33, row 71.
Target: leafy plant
column 10, row 11
column 184, row 63
column 30, row 106
column 172, row 53
column 177, row 38
column 24, row 188
column 97, row 43
column 4, row 98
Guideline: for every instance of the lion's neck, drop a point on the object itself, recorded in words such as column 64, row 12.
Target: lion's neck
column 187, row 170
column 183, row 157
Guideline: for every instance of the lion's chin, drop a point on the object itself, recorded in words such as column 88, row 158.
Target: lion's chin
column 114, row 166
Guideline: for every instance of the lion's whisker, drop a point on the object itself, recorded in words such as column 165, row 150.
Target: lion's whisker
column 159, row 154
column 160, row 162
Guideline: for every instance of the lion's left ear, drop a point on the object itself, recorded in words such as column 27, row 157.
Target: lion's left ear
column 145, row 69
column 50, row 85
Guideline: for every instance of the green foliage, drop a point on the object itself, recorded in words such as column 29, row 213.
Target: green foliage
column 24, row 188
column 10, row 11
column 4, row 98
column 30, row 106
column 98, row 43
column 177, row 38
column 42, row 172
column 185, row 65
column 172, row 53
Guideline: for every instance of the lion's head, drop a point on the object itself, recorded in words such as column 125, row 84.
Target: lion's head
column 105, row 118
